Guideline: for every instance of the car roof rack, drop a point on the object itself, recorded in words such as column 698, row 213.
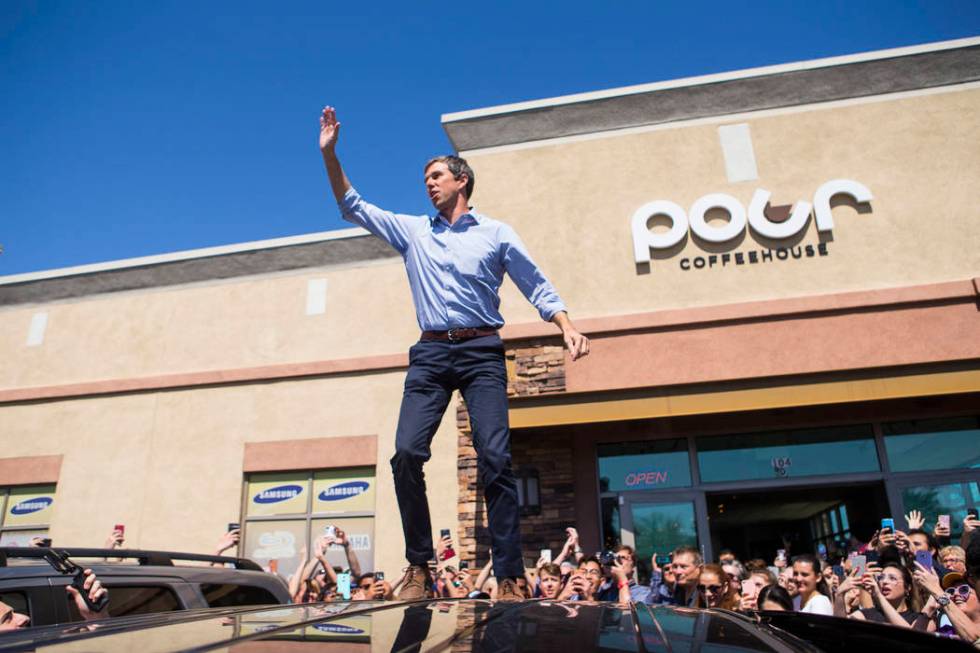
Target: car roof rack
column 155, row 558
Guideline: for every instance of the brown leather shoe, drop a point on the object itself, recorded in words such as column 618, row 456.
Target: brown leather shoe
column 417, row 584
column 507, row 590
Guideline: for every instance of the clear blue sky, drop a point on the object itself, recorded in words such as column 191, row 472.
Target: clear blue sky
column 138, row 128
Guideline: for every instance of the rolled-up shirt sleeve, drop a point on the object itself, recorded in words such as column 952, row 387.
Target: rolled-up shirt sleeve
column 393, row 228
column 528, row 277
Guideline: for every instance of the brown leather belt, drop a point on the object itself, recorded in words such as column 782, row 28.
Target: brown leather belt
column 459, row 335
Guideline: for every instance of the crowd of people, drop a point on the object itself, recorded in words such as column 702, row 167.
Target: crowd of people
column 916, row 579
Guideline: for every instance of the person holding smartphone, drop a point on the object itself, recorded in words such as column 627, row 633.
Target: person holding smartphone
column 12, row 620
column 584, row 581
column 952, row 606
column 333, row 535
column 661, row 579
column 456, row 261
column 622, row 576
column 759, row 578
column 893, row 592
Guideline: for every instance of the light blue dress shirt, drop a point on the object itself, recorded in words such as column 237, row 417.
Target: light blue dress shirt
column 455, row 271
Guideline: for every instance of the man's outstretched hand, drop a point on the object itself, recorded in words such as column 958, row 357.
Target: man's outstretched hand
column 577, row 344
column 329, row 129
column 95, row 591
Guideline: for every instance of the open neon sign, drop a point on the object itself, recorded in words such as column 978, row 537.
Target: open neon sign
column 645, row 477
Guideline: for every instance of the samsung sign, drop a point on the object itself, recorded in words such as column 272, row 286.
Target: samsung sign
column 694, row 221
column 277, row 494
column 343, row 491
column 338, row 629
column 28, row 506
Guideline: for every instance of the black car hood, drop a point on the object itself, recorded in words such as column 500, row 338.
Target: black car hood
column 464, row 625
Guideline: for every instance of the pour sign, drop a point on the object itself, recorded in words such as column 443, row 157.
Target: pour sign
column 695, row 221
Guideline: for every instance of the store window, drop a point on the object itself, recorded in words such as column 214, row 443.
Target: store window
column 286, row 512
column 787, row 454
column 132, row 600
column 920, row 445
column 831, row 528
column 25, row 513
column 229, row 595
column 652, row 465
column 953, row 499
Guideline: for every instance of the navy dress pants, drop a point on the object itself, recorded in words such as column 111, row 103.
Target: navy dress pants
column 476, row 368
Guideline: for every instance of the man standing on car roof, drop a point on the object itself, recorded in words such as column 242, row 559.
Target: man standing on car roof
column 455, row 262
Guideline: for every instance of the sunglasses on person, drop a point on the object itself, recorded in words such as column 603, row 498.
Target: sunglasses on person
column 890, row 578
column 963, row 590
column 713, row 589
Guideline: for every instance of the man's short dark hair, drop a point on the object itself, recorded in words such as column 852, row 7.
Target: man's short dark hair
column 458, row 167
column 691, row 551
column 930, row 540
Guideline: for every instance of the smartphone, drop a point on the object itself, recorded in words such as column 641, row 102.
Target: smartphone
column 234, row 526
column 546, row 555
column 781, row 554
column 343, row 585
column 924, row 558
column 822, row 550
column 330, row 531
column 463, row 565
column 971, row 513
column 943, row 520
column 663, row 559
column 449, row 552
column 888, row 524
column 379, row 575
column 872, row 556
column 120, row 527
column 860, row 563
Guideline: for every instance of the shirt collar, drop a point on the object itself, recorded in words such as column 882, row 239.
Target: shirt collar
column 469, row 215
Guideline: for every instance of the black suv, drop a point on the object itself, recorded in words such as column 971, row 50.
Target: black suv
column 139, row 582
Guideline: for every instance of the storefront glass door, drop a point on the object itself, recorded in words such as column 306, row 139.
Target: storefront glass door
column 658, row 523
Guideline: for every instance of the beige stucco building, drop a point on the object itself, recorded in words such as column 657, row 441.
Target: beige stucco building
column 745, row 390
